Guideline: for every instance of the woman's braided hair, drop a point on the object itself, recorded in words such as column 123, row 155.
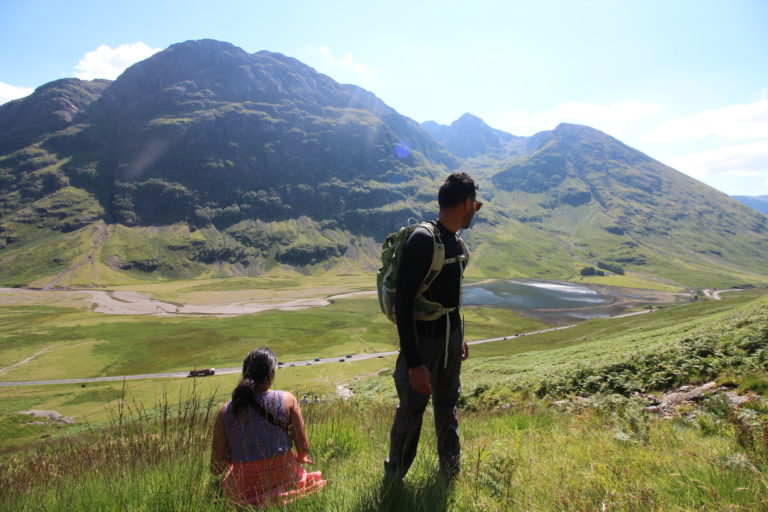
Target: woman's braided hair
column 257, row 367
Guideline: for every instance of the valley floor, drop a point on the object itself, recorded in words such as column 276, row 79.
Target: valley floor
column 227, row 303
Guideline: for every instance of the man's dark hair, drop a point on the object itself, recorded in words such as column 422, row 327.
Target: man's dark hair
column 458, row 187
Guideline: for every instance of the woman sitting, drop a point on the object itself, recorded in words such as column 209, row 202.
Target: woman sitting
column 252, row 439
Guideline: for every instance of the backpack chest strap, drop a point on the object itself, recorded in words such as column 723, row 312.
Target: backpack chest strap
column 460, row 258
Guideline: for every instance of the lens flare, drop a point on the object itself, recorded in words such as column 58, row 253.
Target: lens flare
column 402, row 149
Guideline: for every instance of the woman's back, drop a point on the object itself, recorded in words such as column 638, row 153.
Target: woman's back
column 253, row 444
column 251, row 436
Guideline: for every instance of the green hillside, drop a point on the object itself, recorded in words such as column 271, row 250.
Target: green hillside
column 598, row 200
column 207, row 161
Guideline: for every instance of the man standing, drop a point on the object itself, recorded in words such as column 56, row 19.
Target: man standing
column 431, row 351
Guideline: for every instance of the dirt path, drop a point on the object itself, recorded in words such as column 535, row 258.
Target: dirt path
column 24, row 361
column 101, row 232
column 346, row 390
column 715, row 294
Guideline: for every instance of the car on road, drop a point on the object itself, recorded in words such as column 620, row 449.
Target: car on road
column 317, row 359
column 203, row 372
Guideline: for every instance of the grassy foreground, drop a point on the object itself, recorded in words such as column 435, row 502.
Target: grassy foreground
column 522, row 454
column 528, row 457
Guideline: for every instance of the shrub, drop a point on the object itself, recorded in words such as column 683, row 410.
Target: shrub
column 610, row 267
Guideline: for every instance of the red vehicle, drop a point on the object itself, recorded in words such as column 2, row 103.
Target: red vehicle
column 201, row 373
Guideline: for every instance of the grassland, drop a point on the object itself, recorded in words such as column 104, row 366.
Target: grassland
column 79, row 343
column 527, row 457
column 84, row 344
column 145, row 444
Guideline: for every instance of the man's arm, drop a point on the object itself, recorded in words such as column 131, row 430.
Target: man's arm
column 414, row 265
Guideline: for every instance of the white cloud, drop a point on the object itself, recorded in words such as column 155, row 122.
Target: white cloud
column 741, row 160
column 609, row 118
column 108, row 62
column 344, row 68
column 12, row 92
column 744, row 173
column 346, row 63
column 731, row 122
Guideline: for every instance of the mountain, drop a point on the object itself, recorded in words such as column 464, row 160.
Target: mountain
column 604, row 201
column 224, row 142
column 759, row 203
column 264, row 134
column 469, row 137
column 51, row 107
column 205, row 160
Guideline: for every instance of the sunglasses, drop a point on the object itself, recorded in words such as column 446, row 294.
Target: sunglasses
column 478, row 204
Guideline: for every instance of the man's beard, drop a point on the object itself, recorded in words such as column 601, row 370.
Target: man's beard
column 468, row 222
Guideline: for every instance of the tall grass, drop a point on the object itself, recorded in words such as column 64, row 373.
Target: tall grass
column 529, row 456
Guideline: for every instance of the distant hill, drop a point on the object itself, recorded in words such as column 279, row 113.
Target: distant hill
column 205, row 160
column 605, row 201
column 759, row 203
column 469, row 137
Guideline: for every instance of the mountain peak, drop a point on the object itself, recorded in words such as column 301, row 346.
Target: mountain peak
column 205, row 44
column 585, row 135
column 468, row 118
column 51, row 107
column 574, row 128
column 203, row 72
column 469, row 136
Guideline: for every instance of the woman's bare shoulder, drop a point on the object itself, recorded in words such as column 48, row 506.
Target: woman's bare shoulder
column 288, row 399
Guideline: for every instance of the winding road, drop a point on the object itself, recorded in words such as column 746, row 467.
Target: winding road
column 238, row 369
column 715, row 295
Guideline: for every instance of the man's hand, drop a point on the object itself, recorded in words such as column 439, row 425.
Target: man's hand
column 420, row 379
column 465, row 351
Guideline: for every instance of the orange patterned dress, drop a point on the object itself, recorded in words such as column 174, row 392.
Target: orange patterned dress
column 263, row 468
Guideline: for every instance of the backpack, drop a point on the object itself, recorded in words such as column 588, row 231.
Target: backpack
column 387, row 276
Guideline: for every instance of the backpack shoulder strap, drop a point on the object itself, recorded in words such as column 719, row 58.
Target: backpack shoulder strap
column 463, row 258
column 438, row 256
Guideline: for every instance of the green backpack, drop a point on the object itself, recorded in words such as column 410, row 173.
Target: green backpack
column 387, row 276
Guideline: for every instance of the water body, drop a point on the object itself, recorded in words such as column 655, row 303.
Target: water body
column 556, row 301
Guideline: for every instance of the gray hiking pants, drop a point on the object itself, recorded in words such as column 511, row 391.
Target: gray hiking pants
column 446, row 385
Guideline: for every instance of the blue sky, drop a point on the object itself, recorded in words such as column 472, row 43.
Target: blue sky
column 684, row 81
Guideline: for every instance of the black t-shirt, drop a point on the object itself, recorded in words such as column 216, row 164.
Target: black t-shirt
column 445, row 289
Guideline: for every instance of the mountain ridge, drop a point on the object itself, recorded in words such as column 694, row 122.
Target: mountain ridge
column 759, row 203
column 205, row 160
column 469, row 136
